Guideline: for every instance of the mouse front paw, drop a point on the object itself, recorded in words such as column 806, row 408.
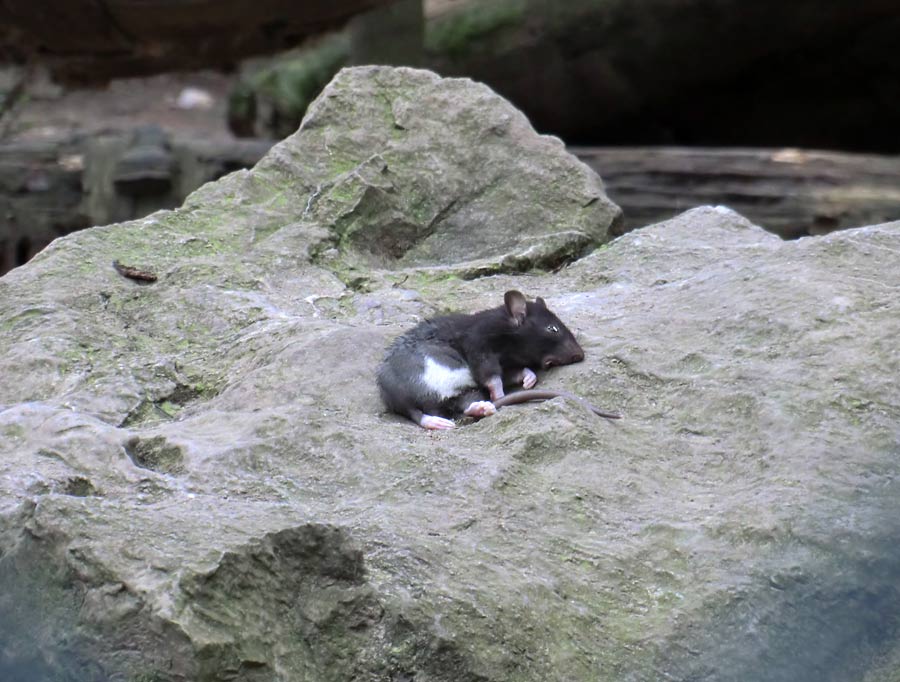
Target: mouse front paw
column 529, row 378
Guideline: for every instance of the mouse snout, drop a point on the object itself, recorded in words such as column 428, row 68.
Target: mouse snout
column 567, row 357
column 571, row 352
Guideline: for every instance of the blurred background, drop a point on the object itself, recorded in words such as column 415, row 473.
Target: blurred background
column 788, row 112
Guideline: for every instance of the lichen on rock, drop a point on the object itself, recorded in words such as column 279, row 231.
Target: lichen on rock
column 443, row 172
column 197, row 481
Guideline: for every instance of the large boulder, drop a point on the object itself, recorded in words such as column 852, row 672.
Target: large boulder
column 197, row 481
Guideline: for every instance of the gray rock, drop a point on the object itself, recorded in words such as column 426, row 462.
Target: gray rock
column 197, row 481
column 424, row 173
column 51, row 188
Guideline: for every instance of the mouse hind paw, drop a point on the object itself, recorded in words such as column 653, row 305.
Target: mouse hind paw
column 431, row 422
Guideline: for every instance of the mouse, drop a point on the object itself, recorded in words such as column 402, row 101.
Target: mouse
column 460, row 364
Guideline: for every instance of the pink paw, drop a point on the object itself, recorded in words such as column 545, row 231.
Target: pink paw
column 481, row 408
column 529, row 378
column 436, row 423
column 494, row 386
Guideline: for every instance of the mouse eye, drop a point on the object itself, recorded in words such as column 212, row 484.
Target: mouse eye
column 553, row 329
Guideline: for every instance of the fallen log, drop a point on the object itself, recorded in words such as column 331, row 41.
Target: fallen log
column 790, row 192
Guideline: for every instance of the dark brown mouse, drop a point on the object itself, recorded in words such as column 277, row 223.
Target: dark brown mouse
column 447, row 366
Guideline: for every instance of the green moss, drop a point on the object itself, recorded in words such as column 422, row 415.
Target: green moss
column 242, row 105
column 287, row 87
column 357, row 282
column 31, row 314
column 205, row 390
column 169, row 408
column 146, row 412
column 453, row 33
column 156, row 454
column 339, row 165
column 13, row 432
column 423, row 278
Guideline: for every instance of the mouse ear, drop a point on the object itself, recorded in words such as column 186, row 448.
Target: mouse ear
column 540, row 302
column 515, row 306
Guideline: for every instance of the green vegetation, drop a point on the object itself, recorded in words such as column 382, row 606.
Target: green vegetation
column 281, row 92
column 451, row 35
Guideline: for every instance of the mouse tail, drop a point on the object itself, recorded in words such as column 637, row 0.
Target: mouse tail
column 528, row 395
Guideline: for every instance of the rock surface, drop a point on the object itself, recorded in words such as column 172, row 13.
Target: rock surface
column 53, row 187
column 197, row 481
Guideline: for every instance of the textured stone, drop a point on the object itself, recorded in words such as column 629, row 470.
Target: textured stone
column 197, row 481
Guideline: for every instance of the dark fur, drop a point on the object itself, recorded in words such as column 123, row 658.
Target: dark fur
column 499, row 342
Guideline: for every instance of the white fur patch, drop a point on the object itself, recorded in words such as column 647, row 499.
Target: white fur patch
column 446, row 381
